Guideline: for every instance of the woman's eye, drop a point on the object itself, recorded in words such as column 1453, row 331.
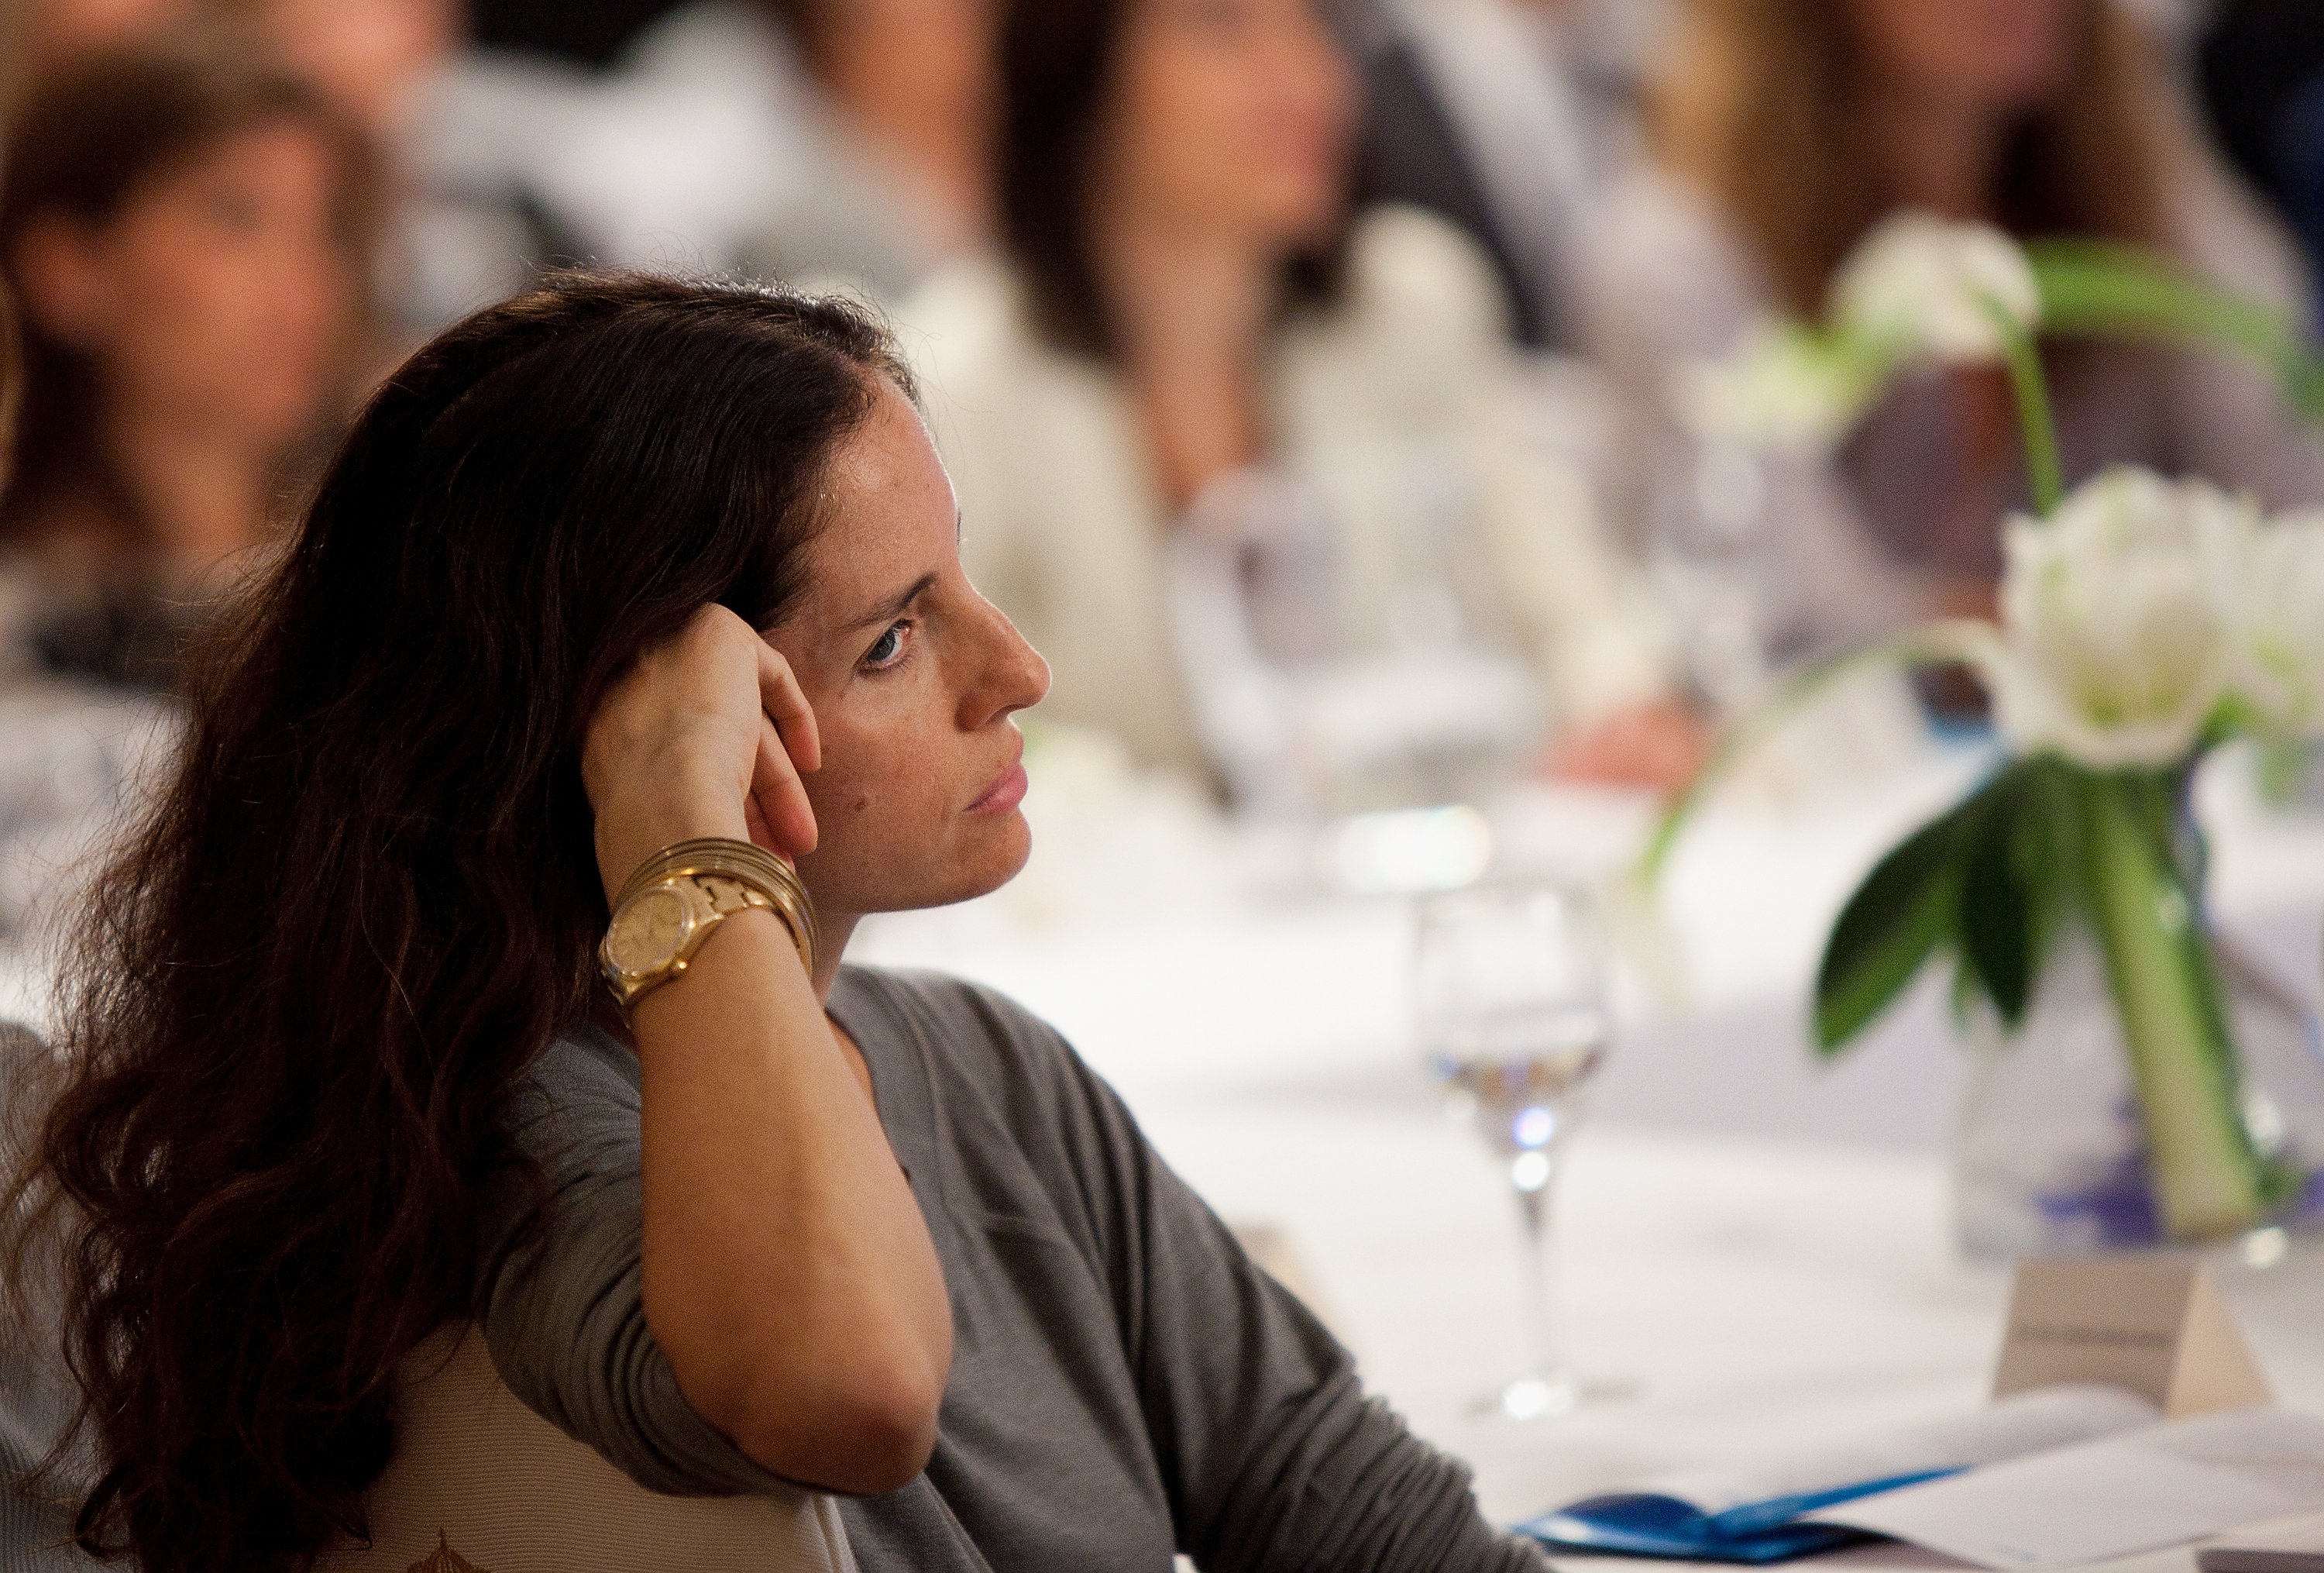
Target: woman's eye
column 889, row 648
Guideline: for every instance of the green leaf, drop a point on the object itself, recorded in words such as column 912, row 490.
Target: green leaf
column 1996, row 907
column 2105, row 288
column 1904, row 908
column 2019, row 881
column 2045, row 852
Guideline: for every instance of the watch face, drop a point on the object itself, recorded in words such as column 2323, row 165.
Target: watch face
column 648, row 932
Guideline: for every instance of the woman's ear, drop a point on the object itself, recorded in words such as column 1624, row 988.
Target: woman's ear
column 65, row 287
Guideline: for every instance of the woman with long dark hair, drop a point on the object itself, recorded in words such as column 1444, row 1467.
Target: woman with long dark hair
column 188, row 232
column 615, row 590
column 1184, row 298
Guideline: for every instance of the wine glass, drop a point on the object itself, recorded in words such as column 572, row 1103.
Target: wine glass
column 1513, row 1019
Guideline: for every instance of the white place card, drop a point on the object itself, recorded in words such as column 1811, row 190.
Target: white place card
column 2151, row 1324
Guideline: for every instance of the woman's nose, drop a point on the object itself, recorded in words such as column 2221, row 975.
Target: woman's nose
column 1014, row 676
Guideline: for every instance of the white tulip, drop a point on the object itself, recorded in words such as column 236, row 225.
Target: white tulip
column 1781, row 388
column 2279, row 647
column 1926, row 286
column 2118, row 619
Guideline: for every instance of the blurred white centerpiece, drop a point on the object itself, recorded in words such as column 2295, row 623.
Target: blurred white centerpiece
column 2137, row 1082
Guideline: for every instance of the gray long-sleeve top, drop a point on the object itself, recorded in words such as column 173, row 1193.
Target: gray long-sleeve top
column 1126, row 1383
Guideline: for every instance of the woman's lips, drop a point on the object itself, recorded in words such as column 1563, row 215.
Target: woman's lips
column 1002, row 795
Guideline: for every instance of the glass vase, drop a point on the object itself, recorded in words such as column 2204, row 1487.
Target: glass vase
column 2051, row 1152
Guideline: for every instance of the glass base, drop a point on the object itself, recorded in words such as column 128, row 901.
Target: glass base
column 1535, row 1397
column 2050, row 1153
column 1538, row 1397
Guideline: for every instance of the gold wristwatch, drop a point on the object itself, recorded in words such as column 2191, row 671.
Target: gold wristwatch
column 669, row 906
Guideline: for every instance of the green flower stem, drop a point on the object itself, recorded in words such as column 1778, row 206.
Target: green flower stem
column 2103, row 288
column 1932, row 643
column 2206, row 1177
column 2034, row 418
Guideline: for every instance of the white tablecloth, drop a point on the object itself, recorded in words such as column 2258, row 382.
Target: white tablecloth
column 1758, row 1250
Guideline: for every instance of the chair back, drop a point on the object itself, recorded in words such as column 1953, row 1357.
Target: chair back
column 480, row 1483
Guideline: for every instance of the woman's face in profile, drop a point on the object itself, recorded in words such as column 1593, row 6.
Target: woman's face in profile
column 1234, row 116
column 914, row 678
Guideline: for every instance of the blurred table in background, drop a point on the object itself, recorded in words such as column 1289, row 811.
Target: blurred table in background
column 1757, row 1249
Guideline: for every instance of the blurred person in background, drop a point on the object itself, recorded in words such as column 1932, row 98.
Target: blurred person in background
column 2261, row 67
column 825, row 141
column 187, row 232
column 35, row 1398
column 33, row 1407
column 1182, row 298
column 38, row 36
column 839, row 142
column 461, row 221
column 1508, row 118
column 371, row 58
column 1785, row 131
column 906, row 89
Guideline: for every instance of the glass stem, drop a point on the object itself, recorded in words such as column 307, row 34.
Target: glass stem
column 1543, row 1304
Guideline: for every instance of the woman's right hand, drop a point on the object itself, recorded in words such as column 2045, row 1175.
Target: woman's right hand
column 784, row 1268
column 707, row 735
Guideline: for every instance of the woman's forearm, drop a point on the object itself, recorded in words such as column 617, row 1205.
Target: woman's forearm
column 788, row 1274
column 789, row 1277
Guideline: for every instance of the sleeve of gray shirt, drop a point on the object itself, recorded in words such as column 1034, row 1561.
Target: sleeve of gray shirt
column 561, row 1297
column 1274, row 1456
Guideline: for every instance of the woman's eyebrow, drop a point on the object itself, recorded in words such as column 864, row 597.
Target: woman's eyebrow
column 890, row 609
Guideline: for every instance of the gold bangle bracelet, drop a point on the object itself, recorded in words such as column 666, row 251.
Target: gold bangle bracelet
column 746, row 862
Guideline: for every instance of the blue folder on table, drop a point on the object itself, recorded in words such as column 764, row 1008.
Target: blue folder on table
column 1769, row 1510
column 1645, row 1524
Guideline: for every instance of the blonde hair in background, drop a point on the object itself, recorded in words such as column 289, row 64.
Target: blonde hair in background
column 1767, row 107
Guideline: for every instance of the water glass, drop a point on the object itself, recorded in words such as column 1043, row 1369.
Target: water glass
column 1514, row 1023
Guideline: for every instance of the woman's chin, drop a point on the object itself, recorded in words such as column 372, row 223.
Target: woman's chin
column 990, row 856
column 1007, row 847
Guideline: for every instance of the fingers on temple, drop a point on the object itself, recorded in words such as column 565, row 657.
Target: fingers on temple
column 786, row 706
column 781, row 799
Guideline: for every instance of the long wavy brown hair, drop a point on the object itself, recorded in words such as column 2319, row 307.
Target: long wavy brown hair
column 1767, row 107
column 307, row 992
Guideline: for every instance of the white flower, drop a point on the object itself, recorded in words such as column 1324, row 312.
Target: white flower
column 2280, row 645
column 2118, row 619
column 1780, row 388
column 1926, row 286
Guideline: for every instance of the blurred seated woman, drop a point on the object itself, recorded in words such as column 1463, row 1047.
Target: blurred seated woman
column 838, row 144
column 1184, row 301
column 186, row 234
column 1786, row 129
column 898, row 96
column 613, row 591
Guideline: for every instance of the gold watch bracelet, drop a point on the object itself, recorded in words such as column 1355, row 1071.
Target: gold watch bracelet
column 746, row 862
